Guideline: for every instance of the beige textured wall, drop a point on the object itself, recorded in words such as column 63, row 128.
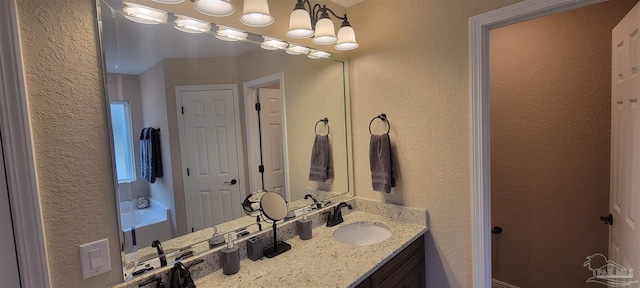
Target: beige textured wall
column 413, row 65
column 550, row 126
column 69, row 127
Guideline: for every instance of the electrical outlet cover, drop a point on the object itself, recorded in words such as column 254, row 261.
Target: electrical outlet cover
column 95, row 258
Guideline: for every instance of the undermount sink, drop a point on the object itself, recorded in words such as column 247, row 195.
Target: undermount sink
column 361, row 234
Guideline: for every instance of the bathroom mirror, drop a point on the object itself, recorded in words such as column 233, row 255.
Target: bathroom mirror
column 162, row 78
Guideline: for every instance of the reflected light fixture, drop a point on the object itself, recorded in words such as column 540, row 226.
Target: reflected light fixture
column 217, row 8
column 295, row 49
column 317, row 54
column 169, row 1
column 255, row 13
column 229, row 34
column 273, row 44
column 191, row 25
column 307, row 21
column 143, row 14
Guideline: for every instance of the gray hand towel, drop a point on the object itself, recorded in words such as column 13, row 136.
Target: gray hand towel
column 381, row 162
column 321, row 163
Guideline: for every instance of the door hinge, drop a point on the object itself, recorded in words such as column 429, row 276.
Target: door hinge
column 182, row 108
column 258, row 106
column 261, row 168
column 188, row 174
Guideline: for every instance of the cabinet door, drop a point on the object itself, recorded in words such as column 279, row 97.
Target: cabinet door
column 415, row 278
column 407, row 268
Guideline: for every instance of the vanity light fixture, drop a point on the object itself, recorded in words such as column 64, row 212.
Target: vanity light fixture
column 273, row 44
column 216, row 8
column 169, row 1
column 229, row 34
column 143, row 14
column 317, row 54
column 255, row 13
column 295, row 49
column 307, row 21
column 191, row 25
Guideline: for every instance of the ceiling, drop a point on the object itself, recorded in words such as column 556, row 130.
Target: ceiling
column 346, row 3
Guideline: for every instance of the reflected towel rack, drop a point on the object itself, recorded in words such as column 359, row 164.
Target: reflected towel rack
column 325, row 121
column 382, row 117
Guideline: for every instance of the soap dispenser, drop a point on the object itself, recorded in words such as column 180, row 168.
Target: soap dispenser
column 216, row 240
column 230, row 257
column 305, row 227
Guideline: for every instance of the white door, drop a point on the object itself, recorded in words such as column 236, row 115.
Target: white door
column 272, row 140
column 209, row 146
column 624, row 240
column 8, row 256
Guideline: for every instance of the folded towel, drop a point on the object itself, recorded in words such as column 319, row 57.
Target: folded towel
column 156, row 156
column 144, row 154
column 381, row 162
column 321, row 162
column 150, row 156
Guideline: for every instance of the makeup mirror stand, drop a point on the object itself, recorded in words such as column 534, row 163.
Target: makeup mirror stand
column 274, row 208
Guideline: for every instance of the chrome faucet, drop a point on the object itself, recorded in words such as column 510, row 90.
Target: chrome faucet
column 163, row 259
column 315, row 201
column 336, row 218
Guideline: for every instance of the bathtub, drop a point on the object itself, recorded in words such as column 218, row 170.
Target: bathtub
column 150, row 224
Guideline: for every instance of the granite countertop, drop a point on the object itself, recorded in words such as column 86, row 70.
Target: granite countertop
column 321, row 261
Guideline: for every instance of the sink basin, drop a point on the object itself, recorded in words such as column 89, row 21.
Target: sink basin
column 360, row 234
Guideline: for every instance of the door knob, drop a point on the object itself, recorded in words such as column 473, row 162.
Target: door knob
column 496, row 230
column 232, row 182
column 607, row 219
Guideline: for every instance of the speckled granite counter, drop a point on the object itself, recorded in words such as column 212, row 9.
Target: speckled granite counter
column 321, row 261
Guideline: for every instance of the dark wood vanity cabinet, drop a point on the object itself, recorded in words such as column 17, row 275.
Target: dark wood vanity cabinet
column 404, row 270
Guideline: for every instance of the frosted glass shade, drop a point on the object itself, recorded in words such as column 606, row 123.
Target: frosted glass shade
column 143, row 14
column 256, row 13
column 190, row 25
column 295, row 49
column 217, row 8
column 346, row 39
column 317, row 54
column 273, row 44
column 300, row 24
column 230, row 34
column 169, row 1
column 325, row 32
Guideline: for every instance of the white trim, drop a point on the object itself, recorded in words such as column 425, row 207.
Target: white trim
column 19, row 156
column 183, row 142
column 248, row 88
column 479, row 27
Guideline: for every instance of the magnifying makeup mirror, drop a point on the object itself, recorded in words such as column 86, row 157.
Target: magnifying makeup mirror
column 274, row 208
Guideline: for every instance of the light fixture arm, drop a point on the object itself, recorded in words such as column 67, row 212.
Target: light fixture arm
column 318, row 11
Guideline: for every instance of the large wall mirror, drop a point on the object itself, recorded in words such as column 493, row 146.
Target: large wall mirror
column 190, row 144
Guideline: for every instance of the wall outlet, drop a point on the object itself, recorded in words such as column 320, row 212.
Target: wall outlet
column 95, row 258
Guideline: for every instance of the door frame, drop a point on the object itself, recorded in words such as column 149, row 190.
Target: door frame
column 252, row 127
column 183, row 145
column 19, row 156
column 479, row 27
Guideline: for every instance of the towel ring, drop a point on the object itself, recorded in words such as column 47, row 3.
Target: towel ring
column 382, row 117
column 325, row 121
